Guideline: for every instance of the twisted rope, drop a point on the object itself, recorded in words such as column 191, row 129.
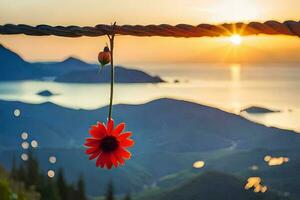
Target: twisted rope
column 164, row 30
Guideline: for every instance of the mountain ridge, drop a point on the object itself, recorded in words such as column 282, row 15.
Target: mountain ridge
column 71, row 70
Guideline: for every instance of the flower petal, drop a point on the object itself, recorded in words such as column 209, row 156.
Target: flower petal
column 119, row 158
column 124, row 136
column 92, row 139
column 124, row 153
column 118, row 129
column 127, row 143
column 98, row 131
column 108, row 164
column 95, row 143
column 94, row 155
column 113, row 160
column 101, row 160
column 110, row 126
column 92, row 150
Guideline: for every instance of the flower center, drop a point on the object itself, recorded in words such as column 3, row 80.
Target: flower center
column 109, row 143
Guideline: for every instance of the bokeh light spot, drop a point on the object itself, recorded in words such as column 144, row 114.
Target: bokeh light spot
column 25, row 145
column 52, row 159
column 34, row 144
column 274, row 161
column 24, row 136
column 24, row 156
column 254, row 167
column 267, row 158
column 199, row 164
column 51, row 173
column 255, row 183
column 17, row 112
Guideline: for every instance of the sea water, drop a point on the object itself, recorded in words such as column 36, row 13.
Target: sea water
column 230, row 87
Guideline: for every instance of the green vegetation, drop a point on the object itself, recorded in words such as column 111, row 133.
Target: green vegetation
column 28, row 177
column 11, row 189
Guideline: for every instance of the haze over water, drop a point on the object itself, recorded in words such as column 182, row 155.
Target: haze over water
column 230, row 87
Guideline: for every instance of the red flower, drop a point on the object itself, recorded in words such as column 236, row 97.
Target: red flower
column 108, row 144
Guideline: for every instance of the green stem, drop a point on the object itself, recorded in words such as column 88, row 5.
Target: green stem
column 112, row 77
column 112, row 74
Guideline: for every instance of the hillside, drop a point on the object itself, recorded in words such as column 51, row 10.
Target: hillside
column 170, row 132
column 213, row 186
column 197, row 132
column 13, row 67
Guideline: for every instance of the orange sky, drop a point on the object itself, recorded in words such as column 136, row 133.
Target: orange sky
column 136, row 51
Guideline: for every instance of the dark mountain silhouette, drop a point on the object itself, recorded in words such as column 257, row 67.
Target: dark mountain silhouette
column 13, row 67
column 68, row 65
column 122, row 75
column 170, row 135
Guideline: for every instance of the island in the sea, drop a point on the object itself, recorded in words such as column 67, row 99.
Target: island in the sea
column 46, row 93
column 258, row 110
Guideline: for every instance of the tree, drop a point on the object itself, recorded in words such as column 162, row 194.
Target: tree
column 62, row 185
column 127, row 197
column 50, row 192
column 21, row 174
column 32, row 170
column 81, row 189
column 110, row 192
column 14, row 171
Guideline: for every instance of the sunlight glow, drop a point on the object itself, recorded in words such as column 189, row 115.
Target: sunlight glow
column 235, row 73
column 236, row 39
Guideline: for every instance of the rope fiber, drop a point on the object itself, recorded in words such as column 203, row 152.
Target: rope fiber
column 181, row 30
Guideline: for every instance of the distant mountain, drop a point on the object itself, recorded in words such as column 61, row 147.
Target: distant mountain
column 197, row 131
column 170, row 135
column 66, row 66
column 13, row 67
column 74, row 70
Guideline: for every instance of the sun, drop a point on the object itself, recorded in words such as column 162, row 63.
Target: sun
column 236, row 39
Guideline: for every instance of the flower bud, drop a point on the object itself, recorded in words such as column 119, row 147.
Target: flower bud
column 104, row 57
